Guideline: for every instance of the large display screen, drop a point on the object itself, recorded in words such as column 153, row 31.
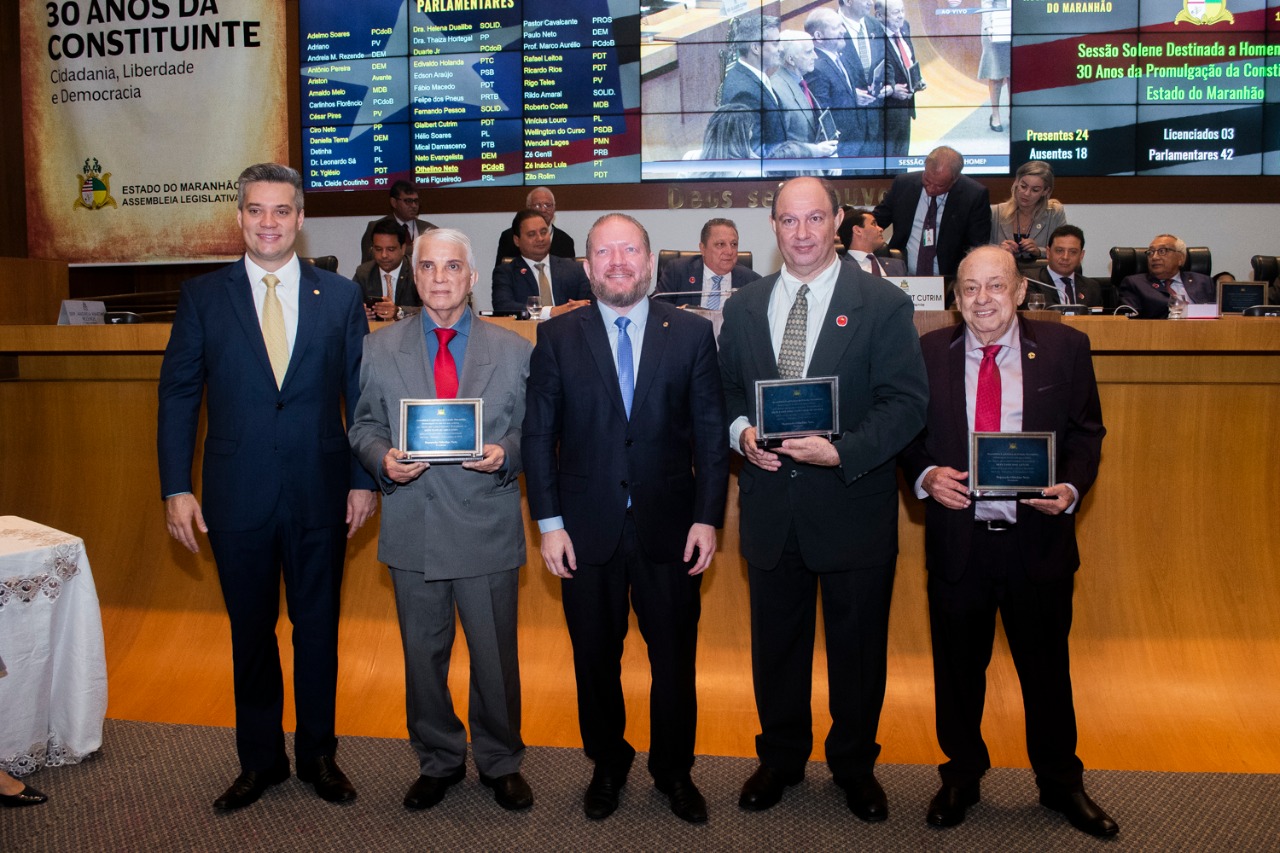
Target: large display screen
column 510, row 92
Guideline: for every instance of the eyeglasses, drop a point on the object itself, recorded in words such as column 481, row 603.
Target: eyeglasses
column 1160, row 251
column 995, row 288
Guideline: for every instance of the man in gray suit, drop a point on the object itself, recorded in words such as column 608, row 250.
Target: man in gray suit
column 452, row 534
column 802, row 115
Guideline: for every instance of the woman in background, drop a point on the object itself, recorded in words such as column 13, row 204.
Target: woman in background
column 1022, row 225
column 993, row 67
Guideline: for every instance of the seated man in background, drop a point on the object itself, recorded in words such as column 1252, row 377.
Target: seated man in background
column 1061, row 282
column 534, row 271
column 715, row 272
column 542, row 200
column 1148, row 293
column 404, row 212
column 866, row 237
column 388, row 277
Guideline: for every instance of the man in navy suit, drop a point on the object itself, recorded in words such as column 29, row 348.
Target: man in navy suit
column 1148, row 293
column 404, row 212
column 746, row 81
column 961, row 214
column 1001, row 373
column 864, row 54
column 716, row 272
column 560, row 282
column 273, row 346
column 626, row 470
column 866, row 237
column 1060, row 282
column 387, row 278
column 832, row 81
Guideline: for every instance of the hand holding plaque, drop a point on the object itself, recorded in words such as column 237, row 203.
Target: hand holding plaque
column 450, row 430
column 1011, row 465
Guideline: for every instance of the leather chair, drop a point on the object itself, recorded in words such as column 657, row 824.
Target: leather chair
column 1265, row 267
column 665, row 256
column 324, row 262
column 1132, row 260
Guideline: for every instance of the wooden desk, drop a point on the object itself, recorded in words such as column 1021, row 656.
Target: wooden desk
column 1176, row 645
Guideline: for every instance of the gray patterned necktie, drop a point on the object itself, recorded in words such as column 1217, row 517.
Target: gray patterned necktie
column 791, row 355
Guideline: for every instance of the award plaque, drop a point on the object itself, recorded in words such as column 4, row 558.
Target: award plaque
column 795, row 408
column 442, row 430
column 1010, row 465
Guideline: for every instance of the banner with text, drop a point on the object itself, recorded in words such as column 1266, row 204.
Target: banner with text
column 138, row 117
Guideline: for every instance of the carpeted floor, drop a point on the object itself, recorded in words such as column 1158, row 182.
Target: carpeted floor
column 152, row 786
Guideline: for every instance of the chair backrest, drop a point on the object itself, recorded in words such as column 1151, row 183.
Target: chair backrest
column 1265, row 267
column 1262, row 311
column 666, row 256
column 1132, row 260
column 324, row 262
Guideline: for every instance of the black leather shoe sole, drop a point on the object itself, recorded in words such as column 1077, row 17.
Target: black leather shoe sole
column 949, row 804
column 430, row 790
column 511, row 791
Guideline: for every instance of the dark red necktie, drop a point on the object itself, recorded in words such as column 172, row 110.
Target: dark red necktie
column 926, row 254
column 445, row 369
column 986, row 415
column 876, row 269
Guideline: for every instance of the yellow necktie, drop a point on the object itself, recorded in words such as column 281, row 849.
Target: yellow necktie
column 273, row 329
column 544, row 285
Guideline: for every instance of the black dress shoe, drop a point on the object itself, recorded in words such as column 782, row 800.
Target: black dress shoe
column 764, row 789
column 866, row 798
column 329, row 781
column 511, row 791
column 995, row 125
column 1084, row 814
column 686, row 800
column 948, row 806
column 249, row 785
column 28, row 796
column 601, row 799
column 429, row 790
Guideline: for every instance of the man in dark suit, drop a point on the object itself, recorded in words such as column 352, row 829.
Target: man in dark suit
column 819, row 511
column 864, row 53
column 626, row 471
column 1148, row 293
column 561, row 282
column 404, row 212
column 996, row 372
column 866, row 237
column 452, row 535
column 832, row 80
column 274, row 347
column 746, row 81
column 937, row 215
column 1061, row 282
column 716, row 272
column 388, row 278
column 542, row 200
column 901, row 79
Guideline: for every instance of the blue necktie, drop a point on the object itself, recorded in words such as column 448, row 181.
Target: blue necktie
column 626, row 375
column 713, row 298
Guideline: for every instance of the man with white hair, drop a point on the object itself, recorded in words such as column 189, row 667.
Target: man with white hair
column 802, row 116
column 542, row 200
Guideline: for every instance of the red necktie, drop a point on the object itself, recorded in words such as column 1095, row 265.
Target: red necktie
column 875, row 265
column 986, row 415
column 445, row 369
column 902, row 50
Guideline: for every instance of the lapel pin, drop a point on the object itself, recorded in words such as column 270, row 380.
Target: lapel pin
column 665, row 324
column 523, row 271
column 842, row 321
column 692, row 280
column 316, row 292
column 1031, row 355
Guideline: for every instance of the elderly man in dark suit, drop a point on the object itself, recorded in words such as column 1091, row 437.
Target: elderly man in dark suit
column 534, row 271
column 1001, row 373
column 937, row 215
column 1060, row 282
column 864, row 53
column 273, row 346
column 387, row 280
column 404, row 212
column 452, row 535
column 901, row 79
column 627, row 470
column 820, row 511
column 716, row 271
column 1148, row 293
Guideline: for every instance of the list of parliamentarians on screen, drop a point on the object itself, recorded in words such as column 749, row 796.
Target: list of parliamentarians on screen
column 466, row 92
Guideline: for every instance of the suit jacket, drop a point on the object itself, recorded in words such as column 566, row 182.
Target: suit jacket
column 892, row 267
column 871, row 143
column 896, row 71
column 827, row 81
column 1088, row 290
column 561, row 246
column 799, row 122
column 583, row 457
column 1059, row 395
column 366, row 242
column 514, row 283
column 450, row 522
column 742, row 86
column 1151, row 298
column 369, row 277
column 263, row 443
column 681, row 274
column 966, row 218
column 847, row 516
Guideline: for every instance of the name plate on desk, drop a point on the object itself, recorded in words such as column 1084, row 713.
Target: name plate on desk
column 795, row 408
column 1011, row 465
column 442, row 430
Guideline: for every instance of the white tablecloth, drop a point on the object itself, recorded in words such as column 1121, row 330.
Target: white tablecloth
column 54, row 697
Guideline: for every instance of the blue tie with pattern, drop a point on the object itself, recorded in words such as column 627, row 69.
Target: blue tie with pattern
column 626, row 374
column 713, row 298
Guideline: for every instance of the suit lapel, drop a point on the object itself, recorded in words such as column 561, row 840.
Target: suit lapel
column 477, row 364
column 1032, row 376
column 759, row 338
column 240, row 295
column 657, row 336
column 310, row 303
column 833, row 337
column 957, row 406
column 411, row 361
column 597, row 342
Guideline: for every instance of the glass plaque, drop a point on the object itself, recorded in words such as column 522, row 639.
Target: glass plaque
column 442, row 430
column 1011, row 465
column 795, row 408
